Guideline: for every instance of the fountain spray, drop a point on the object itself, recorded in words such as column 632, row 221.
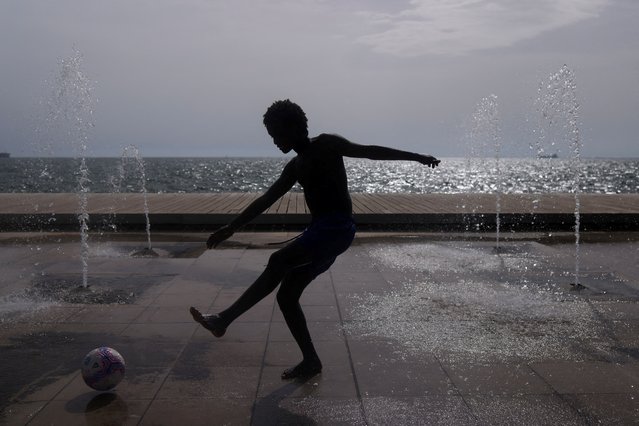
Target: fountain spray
column 559, row 114
column 71, row 109
column 486, row 133
column 132, row 152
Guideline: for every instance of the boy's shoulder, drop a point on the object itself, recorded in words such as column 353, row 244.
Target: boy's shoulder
column 329, row 139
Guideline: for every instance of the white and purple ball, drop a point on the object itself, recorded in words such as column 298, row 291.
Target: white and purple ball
column 103, row 368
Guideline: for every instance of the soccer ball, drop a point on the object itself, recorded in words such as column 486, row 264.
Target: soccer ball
column 103, row 368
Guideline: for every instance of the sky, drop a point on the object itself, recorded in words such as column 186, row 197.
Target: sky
column 181, row 78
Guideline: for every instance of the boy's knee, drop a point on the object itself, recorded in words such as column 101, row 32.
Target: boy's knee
column 285, row 299
column 277, row 260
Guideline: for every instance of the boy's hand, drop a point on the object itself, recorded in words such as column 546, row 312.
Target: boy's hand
column 218, row 236
column 429, row 161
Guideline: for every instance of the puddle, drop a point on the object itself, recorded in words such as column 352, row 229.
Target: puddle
column 171, row 251
column 109, row 289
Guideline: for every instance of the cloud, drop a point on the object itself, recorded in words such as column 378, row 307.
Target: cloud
column 454, row 27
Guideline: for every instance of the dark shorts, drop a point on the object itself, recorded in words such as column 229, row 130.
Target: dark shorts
column 326, row 238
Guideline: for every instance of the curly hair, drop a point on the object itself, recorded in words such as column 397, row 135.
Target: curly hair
column 285, row 114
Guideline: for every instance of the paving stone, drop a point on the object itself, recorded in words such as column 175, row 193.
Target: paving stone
column 424, row 410
column 589, row 377
column 496, row 379
column 288, row 354
column 239, row 331
column 230, row 411
column 92, row 408
column 310, row 410
column 382, row 369
column 220, row 353
column 607, row 409
column 527, row 409
column 313, row 313
column 178, row 373
column 320, row 331
column 334, row 381
column 205, row 382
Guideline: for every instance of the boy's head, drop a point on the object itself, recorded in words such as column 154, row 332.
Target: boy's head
column 286, row 118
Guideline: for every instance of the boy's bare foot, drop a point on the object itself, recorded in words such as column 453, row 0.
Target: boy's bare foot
column 211, row 322
column 304, row 369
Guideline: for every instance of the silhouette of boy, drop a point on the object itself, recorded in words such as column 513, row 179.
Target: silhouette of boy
column 319, row 168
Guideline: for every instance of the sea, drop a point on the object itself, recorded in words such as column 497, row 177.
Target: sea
column 214, row 175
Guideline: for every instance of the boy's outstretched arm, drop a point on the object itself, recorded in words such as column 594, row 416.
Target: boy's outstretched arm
column 281, row 186
column 374, row 152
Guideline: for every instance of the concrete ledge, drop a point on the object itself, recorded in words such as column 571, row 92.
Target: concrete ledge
column 390, row 212
column 382, row 222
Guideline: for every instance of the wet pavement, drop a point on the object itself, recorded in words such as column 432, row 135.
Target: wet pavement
column 411, row 330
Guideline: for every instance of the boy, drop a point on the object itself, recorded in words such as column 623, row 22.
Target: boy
column 319, row 168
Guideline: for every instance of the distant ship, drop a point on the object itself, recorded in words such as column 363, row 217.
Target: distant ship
column 4, row 155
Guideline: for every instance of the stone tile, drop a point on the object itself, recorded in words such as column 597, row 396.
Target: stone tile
column 112, row 329
column 148, row 352
column 205, row 382
column 177, row 300
column 383, row 371
column 165, row 314
column 138, row 383
column 496, row 379
column 92, row 408
column 227, row 297
column 259, row 312
column 320, row 331
column 148, row 297
column 321, row 284
column 335, row 381
column 165, row 266
column 589, row 377
column 310, row 298
column 219, row 353
column 213, row 274
column 527, row 409
column 222, row 411
column 45, row 314
column 222, row 256
column 349, row 306
column 626, row 310
column 311, row 410
column 353, row 332
column 360, row 281
column 21, row 413
column 204, row 289
column 63, row 266
column 313, row 313
column 47, row 388
column 238, row 332
column 288, row 354
column 239, row 279
column 172, row 332
column 425, row 410
column 607, row 409
column 210, row 266
column 15, row 282
column 395, row 380
column 121, row 314
column 383, row 351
